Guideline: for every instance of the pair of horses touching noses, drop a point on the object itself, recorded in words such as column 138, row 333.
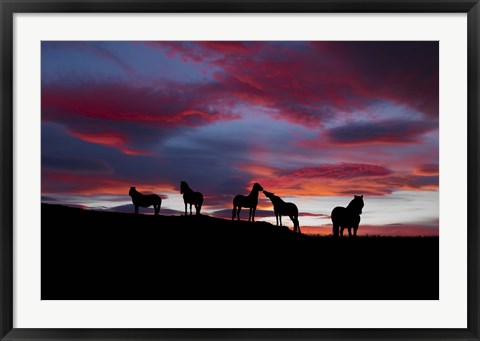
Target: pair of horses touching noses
column 342, row 217
column 280, row 207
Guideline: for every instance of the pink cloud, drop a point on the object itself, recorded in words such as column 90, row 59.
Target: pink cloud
column 113, row 114
column 180, row 104
column 340, row 171
column 343, row 75
column 111, row 139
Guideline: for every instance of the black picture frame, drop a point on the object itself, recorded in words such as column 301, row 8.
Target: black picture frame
column 10, row 7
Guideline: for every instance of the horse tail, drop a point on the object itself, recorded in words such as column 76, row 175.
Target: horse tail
column 234, row 211
column 295, row 211
column 296, row 223
column 200, row 202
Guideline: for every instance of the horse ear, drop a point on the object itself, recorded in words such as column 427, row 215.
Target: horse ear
column 361, row 196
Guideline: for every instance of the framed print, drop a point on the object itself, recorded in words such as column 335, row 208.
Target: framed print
column 240, row 170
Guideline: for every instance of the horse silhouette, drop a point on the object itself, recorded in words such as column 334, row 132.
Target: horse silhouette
column 250, row 201
column 145, row 200
column 347, row 217
column 281, row 207
column 191, row 197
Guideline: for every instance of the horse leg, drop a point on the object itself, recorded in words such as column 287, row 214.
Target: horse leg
column 155, row 207
column 341, row 231
column 298, row 225
column 355, row 231
column 349, row 231
column 190, row 209
column 253, row 213
column 185, row 209
column 250, row 214
column 238, row 212
column 294, row 224
column 233, row 213
column 276, row 216
column 136, row 209
column 335, row 230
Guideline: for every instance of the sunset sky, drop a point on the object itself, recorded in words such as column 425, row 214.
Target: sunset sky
column 313, row 122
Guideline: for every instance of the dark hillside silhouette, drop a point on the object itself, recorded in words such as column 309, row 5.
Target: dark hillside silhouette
column 347, row 217
column 281, row 207
column 250, row 201
column 106, row 255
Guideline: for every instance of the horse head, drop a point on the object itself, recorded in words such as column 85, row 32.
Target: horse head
column 257, row 187
column 132, row 190
column 183, row 185
column 358, row 203
column 268, row 194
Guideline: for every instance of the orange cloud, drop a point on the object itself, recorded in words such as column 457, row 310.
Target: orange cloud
column 86, row 184
column 346, row 179
column 426, row 169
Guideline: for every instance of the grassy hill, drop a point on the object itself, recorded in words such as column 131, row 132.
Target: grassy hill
column 106, row 255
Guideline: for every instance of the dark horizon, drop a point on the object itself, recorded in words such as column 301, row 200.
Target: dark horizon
column 103, row 255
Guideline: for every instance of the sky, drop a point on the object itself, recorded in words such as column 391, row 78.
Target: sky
column 315, row 122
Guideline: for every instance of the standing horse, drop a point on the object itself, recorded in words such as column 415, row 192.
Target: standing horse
column 281, row 207
column 347, row 217
column 191, row 197
column 145, row 200
column 250, row 201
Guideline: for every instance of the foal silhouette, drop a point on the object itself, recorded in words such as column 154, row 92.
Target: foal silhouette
column 281, row 207
column 347, row 217
column 145, row 200
column 250, row 201
column 191, row 197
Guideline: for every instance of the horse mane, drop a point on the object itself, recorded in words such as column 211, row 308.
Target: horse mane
column 279, row 199
column 184, row 187
column 274, row 197
column 356, row 203
column 256, row 188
